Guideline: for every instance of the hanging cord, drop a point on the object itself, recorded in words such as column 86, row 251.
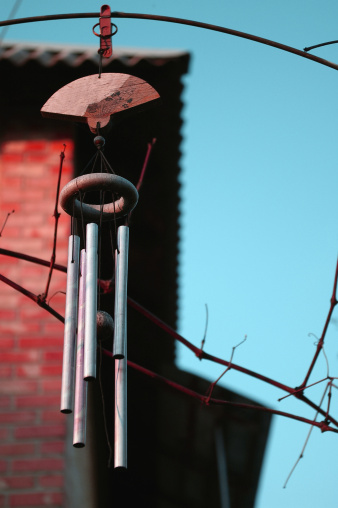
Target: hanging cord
column 100, row 52
column 106, row 163
column 95, row 156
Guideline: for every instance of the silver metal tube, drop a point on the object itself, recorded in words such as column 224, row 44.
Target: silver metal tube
column 91, row 302
column 68, row 366
column 80, row 403
column 121, row 282
column 120, row 421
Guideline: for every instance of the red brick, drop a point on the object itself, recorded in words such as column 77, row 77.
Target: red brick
column 52, row 447
column 12, row 157
column 4, row 433
column 18, row 326
column 39, row 157
column 7, row 314
column 17, row 449
column 12, row 205
column 10, row 182
column 37, row 146
column 38, row 465
column 52, row 416
column 5, row 372
column 11, row 232
column 5, row 342
column 13, row 146
column 32, row 312
column 16, row 482
column 2, row 501
column 32, row 371
column 38, row 401
column 45, row 342
column 20, row 357
column 36, row 499
column 40, row 431
column 5, row 402
column 53, row 356
column 3, row 466
column 56, row 328
column 16, row 386
column 15, row 194
column 51, row 481
column 52, row 385
column 17, row 417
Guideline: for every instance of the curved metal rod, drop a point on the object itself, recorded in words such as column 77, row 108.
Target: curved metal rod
column 181, row 21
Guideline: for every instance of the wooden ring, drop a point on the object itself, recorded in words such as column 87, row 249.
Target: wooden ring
column 128, row 197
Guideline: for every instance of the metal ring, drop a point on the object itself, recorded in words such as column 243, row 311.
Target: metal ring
column 105, row 36
column 99, row 182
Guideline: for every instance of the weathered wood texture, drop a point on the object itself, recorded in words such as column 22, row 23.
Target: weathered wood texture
column 92, row 99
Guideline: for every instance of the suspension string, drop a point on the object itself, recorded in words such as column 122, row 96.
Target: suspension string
column 103, row 163
column 107, row 163
column 93, row 157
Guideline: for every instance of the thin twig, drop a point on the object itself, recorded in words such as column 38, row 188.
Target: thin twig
column 54, row 294
column 329, row 396
column 297, row 390
column 333, row 303
column 306, row 440
column 326, row 359
column 32, row 296
column 56, row 216
column 212, row 385
column 206, row 328
column 139, row 308
column 198, row 396
column 4, row 224
column 143, row 170
column 145, row 163
column 31, row 259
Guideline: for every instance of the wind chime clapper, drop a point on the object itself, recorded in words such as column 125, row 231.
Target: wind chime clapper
column 95, row 101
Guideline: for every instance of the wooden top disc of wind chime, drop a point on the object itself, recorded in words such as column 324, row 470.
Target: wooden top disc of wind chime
column 93, row 99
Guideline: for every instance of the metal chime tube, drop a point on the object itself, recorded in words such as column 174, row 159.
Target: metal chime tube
column 80, row 403
column 67, row 386
column 120, row 423
column 121, row 280
column 91, row 302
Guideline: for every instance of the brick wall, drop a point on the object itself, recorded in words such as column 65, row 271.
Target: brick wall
column 32, row 430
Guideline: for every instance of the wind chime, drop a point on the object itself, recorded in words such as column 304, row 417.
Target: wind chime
column 94, row 100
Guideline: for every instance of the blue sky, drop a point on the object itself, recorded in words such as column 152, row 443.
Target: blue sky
column 259, row 236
